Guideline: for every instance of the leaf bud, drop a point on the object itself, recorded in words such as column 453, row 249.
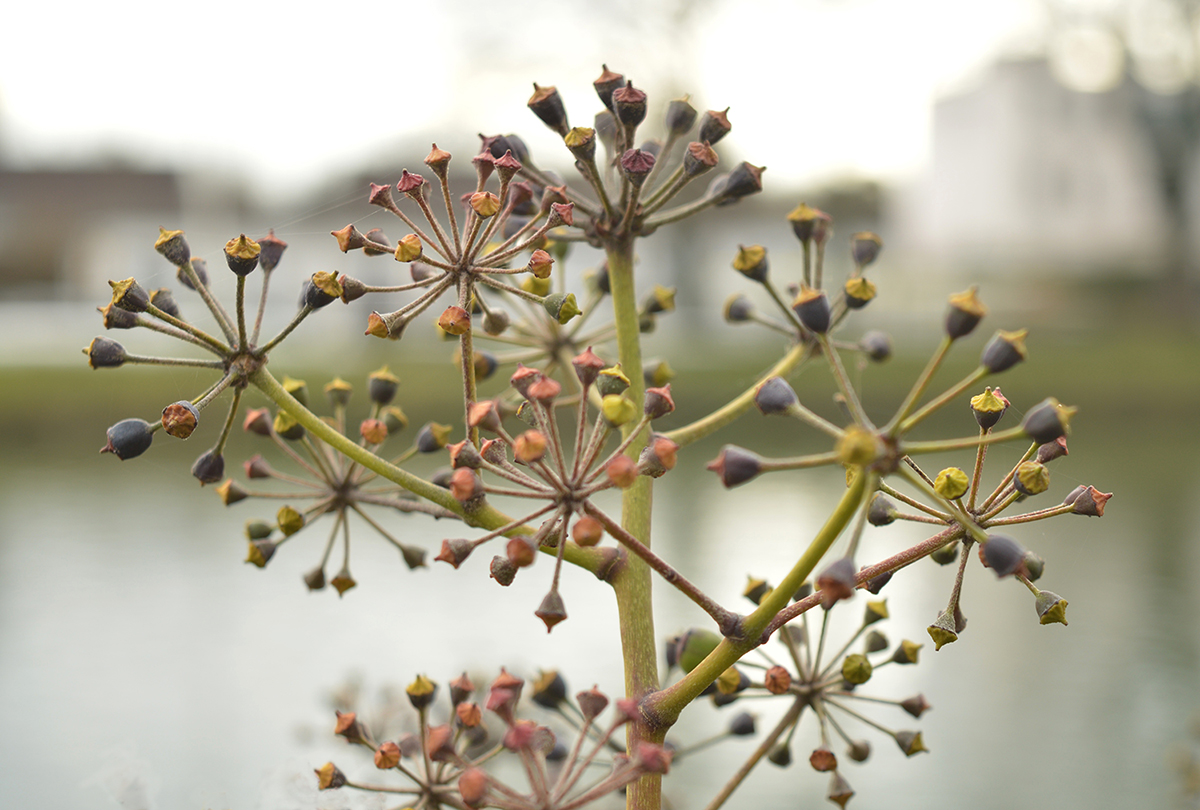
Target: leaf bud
column 128, row 438
column 241, row 254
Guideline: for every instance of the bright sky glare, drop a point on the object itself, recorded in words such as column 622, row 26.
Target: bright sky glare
column 289, row 93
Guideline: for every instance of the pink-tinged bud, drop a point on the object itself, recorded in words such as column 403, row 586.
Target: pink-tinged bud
column 588, row 366
column 521, row 551
column 552, row 610
column 468, row 714
column 524, row 377
column 1087, row 500
column 658, row 457
column 622, row 471
column 837, row 582
column 381, row 196
column 607, row 84
column 591, row 703
column 349, row 238
column 465, row 486
column 658, row 402
column 507, row 166
column 387, row 756
column 587, row 531
column 473, row 787
column 562, row 214
column 410, row 184
column 652, row 758
column 258, row 421
column 544, row 391
column 455, row 551
column 257, row 467
column 373, row 430
column 437, row 159
column 349, row 727
column 484, row 415
column 529, row 447
column 439, row 744
column 735, row 465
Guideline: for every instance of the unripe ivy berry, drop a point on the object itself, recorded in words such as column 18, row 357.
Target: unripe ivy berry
column 989, row 407
column 128, row 438
column 209, row 468
column 382, row 386
column 1048, row 420
column 241, row 254
column 105, row 353
column 1002, row 554
column 812, row 307
column 775, row 396
column 964, row 314
column 173, row 247
column 1031, row 478
column 1004, row 351
column 877, row 346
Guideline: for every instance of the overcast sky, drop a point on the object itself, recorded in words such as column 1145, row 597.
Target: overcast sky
column 289, row 93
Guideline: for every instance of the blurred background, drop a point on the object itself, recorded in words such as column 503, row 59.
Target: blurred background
column 1046, row 151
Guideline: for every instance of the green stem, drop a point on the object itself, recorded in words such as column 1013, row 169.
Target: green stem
column 632, row 583
column 727, row 413
column 665, row 706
